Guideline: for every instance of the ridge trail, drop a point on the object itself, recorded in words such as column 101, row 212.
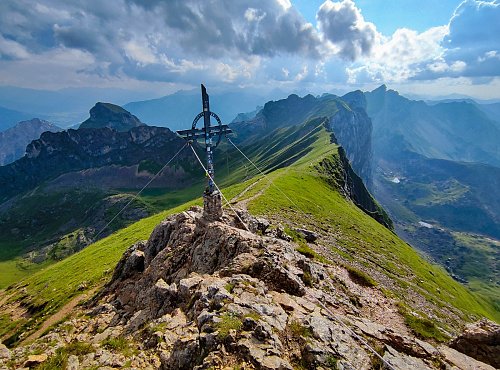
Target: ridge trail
column 59, row 315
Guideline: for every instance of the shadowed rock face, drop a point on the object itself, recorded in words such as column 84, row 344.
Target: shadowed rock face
column 54, row 154
column 481, row 341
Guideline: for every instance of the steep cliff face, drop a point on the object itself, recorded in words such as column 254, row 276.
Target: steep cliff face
column 353, row 130
column 348, row 120
column 14, row 140
column 112, row 116
column 72, row 150
column 339, row 173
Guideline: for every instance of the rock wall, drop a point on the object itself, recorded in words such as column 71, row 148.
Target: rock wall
column 56, row 153
column 338, row 172
column 353, row 129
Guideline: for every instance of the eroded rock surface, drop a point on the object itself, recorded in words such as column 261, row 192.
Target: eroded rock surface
column 210, row 295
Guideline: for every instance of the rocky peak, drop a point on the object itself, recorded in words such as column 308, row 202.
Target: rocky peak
column 14, row 140
column 205, row 294
column 112, row 116
column 355, row 99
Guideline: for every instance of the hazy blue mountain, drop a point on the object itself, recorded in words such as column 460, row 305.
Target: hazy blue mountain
column 9, row 118
column 178, row 110
column 64, row 107
column 437, row 174
column 14, row 140
column 492, row 110
column 111, row 116
column 456, row 130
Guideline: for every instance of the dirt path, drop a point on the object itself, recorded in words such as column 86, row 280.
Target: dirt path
column 243, row 203
column 4, row 296
column 59, row 315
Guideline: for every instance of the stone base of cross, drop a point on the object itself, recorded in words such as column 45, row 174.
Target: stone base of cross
column 212, row 206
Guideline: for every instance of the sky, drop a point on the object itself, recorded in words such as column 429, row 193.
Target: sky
column 420, row 47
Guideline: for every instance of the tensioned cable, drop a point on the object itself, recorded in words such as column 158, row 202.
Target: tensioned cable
column 330, row 313
column 138, row 193
column 266, row 176
column 217, row 187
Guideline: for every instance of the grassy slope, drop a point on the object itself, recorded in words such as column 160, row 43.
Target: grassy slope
column 357, row 237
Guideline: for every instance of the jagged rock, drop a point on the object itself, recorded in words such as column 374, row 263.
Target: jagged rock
column 309, row 235
column 35, row 360
column 401, row 361
column 112, row 116
column 4, row 351
column 130, row 263
column 480, row 340
column 254, row 224
column 281, row 234
column 73, row 363
column 201, row 294
column 461, row 360
column 212, row 206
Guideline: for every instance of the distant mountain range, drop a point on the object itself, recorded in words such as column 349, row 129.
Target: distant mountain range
column 458, row 131
column 430, row 164
column 346, row 116
column 437, row 172
column 9, row 118
column 14, row 140
column 178, row 110
column 65, row 107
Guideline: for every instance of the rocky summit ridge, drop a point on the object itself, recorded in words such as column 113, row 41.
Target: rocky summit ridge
column 111, row 116
column 205, row 294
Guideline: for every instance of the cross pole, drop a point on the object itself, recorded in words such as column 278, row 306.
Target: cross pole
column 207, row 133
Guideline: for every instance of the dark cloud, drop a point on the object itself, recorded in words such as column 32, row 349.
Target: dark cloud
column 257, row 27
column 343, row 25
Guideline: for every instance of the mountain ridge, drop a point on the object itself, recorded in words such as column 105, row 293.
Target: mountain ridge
column 14, row 140
column 176, row 300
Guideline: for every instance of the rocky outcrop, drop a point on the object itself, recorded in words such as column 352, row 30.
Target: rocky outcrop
column 111, row 116
column 54, row 154
column 13, row 141
column 481, row 341
column 205, row 294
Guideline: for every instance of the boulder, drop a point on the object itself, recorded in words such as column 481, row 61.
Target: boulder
column 35, row 360
column 480, row 340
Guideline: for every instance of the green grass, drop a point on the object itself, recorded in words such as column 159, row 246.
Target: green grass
column 317, row 204
column 229, row 321
column 118, row 344
column 299, row 330
column 358, row 234
column 60, row 359
column 360, row 277
column 17, row 268
column 49, row 289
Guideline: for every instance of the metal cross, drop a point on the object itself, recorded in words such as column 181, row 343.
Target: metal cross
column 207, row 133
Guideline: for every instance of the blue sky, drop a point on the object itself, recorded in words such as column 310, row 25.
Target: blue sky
column 389, row 15
column 421, row 47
